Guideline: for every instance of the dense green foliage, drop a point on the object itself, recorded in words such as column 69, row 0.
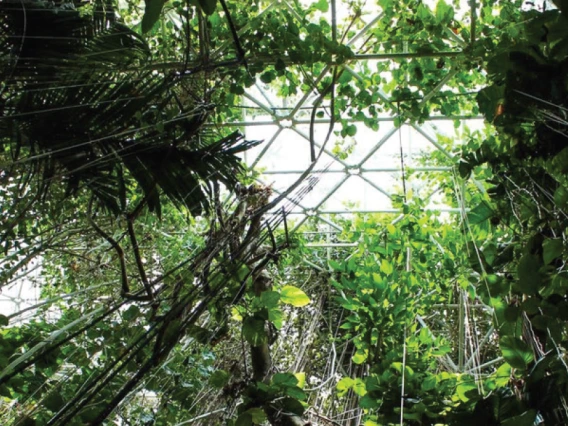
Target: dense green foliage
column 206, row 314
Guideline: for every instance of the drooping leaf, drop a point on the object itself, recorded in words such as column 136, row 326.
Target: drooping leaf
column 152, row 13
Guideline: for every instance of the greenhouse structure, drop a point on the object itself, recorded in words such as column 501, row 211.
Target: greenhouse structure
column 283, row 212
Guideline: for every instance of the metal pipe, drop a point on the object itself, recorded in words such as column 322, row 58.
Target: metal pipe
column 363, row 170
column 327, row 121
column 371, row 211
column 487, row 364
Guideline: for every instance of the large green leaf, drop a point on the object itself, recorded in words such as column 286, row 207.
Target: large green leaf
column 480, row 213
column 551, row 249
column 152, row 13
column 516, row 352
column 253, row 331
column 294, row 296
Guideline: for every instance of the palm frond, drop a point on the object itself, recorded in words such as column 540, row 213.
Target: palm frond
column 80, row 107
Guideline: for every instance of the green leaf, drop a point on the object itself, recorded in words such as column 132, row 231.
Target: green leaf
column 516, row 352
column 336, row 266
column 344, row 385
column 258, row 416
column 292, row 405
column 488, row 100
column 208, row 6
column 253, row 331
column 4, row 320
column 552, row 249
column 267, row 77
column 359, row 387
column 429, row 383
column 301, row 379
column 53, row 401
column 386, row 267
column 276, row 317
column 321, row 5
column 369, row 402
column 284, row 379
column 294, row 296
column 480, row 213
column 444, row 12
column 270, row 299
column 528, row 272
column 503, row 375
column 131, row 313
column 296, row 392
column 219, row 379
column 467, row 389
column 152, row 13
column 351, row 130
column 360, row 356
column 245, row 419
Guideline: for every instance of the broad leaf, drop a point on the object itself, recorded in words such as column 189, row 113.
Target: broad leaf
column 270, row 299
column 253, row 331
column 551, row 249
column 151, row 14
column 344, row 385
column 516, row 352
column 294, row 296
column 480, row 213
column 284, row 379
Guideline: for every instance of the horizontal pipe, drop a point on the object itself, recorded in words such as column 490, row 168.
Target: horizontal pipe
column 364, row 211
column 363, row 170
column 327, row 121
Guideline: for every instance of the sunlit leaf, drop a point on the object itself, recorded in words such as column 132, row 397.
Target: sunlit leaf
column 294, row 296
